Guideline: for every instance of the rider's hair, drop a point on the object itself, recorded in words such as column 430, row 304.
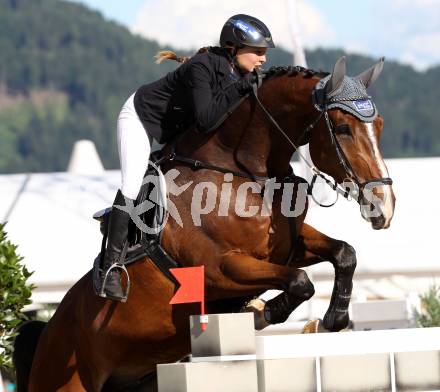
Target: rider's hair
column 170, row 55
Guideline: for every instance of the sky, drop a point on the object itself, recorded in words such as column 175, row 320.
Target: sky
column 403, row 30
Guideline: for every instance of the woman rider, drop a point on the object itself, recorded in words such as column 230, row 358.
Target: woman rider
column 198, row 92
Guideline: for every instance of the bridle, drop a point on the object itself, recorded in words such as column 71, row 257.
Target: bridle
column 351, row 174
column 346, row 192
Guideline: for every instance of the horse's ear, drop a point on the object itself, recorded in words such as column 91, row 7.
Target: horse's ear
column 337, row 77
column 369, row 76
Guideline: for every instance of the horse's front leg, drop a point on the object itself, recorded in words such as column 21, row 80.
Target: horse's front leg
column 314, row 247
column 245, row 275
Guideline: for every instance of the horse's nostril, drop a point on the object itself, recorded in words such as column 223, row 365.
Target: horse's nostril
column 378, row 222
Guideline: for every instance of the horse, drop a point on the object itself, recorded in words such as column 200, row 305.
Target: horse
column 94, row 344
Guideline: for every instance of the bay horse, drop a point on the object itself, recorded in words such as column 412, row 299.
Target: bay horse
column 93, row 344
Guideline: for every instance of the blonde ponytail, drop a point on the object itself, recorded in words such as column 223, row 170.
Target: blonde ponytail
column 170, row 55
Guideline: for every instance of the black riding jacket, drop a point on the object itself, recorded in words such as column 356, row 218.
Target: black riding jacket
column 198, row 92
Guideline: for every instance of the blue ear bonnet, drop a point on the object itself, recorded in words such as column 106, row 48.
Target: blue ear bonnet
column 351, row 97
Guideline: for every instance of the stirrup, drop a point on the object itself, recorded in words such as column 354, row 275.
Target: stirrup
column 102, row 292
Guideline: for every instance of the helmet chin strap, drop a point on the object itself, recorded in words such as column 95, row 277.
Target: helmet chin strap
column 236, row 66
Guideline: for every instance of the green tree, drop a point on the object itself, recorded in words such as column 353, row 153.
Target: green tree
column 430, row 315
column 65, row 72
column 15, row 292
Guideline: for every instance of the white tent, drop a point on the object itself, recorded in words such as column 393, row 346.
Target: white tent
column 50, row 218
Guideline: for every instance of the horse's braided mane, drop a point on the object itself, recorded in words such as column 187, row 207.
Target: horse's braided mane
column 292, row 70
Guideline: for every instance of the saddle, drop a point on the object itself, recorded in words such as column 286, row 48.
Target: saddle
column 141, row 243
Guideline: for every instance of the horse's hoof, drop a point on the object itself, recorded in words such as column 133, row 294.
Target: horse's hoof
column 256, row 306
column 314, row 326
column 336, row 322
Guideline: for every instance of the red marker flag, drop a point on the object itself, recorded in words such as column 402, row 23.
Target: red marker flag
column 192, row 287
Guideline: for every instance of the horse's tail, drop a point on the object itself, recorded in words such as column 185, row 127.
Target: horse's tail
column 25, row 345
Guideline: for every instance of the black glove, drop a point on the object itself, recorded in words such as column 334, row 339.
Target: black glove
column 247, row 81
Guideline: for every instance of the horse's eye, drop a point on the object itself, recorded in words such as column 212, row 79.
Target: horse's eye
column 343, row 129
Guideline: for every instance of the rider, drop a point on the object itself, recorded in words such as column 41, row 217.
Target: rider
column 198, row 92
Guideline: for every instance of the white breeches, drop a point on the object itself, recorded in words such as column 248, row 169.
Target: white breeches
column 134, row 149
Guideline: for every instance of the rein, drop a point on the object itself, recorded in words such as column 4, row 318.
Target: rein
column 304, row 138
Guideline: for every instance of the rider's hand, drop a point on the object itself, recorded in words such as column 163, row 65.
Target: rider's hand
column 247, row 81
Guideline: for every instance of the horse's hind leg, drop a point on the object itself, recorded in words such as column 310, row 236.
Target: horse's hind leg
column 57, row 365
column 50, row 374
column 315, row 247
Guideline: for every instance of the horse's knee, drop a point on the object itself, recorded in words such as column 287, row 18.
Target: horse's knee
column 301, row 286
column 345, row 258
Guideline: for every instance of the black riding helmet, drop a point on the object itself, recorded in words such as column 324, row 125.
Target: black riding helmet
column 244, row 30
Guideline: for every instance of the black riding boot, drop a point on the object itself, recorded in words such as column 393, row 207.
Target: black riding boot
column 117, row 237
